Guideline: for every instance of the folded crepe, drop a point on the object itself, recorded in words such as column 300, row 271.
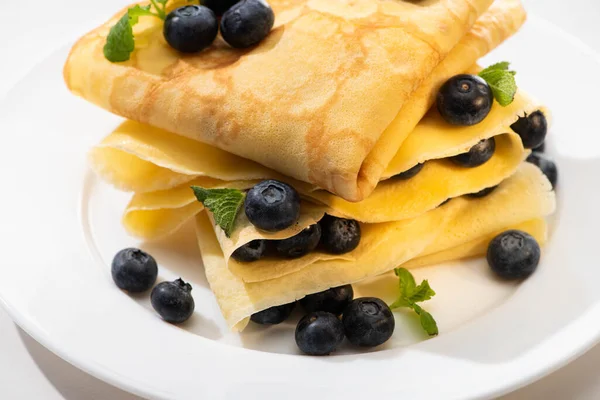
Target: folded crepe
column 127, row 156
column 462, row 228
column 332, row 75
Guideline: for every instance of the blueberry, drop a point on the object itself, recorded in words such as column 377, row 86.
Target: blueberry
column 274, row 315
column 301, row 244
column 319, row 333
column 247, row 23
column 513, row 255
column 409, row 173
column 532, row 128
column 173, row 301
column 332, row 300
column 368, row 322
column 218, row 6
column 190, row 29
column 482, row 193
column 465, row 100
column 249, row 252
column 134, row 270
column 339, row 235
column 477, row 155
column 272, row 205
column 547, row 166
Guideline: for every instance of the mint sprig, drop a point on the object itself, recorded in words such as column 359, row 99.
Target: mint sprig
column 501, row 81
column 225, row 205
column 120, row 42
column 411, row 294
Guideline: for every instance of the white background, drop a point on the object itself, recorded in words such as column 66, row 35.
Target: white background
column 30, row 31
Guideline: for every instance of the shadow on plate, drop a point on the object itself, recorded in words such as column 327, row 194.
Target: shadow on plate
column 72, row 383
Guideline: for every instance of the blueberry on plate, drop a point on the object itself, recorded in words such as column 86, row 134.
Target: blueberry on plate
column 190, row 29
column 513, row 255
column 300, row 244
column 482, row 193
column 339, row 235
column 333, row 300
column 319, row 333
column 465, row 100
column 252, row 251
column 547, row 166
column 247, row 23
column 134, row 270
column 274, row 315
column 409, row 173
column 532, row 129
column 272, row 205
column 368, row 322
column 218, row 6
column 477, row 155
column 173, row 301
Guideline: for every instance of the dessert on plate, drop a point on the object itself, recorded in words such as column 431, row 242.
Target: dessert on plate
column 316, row 144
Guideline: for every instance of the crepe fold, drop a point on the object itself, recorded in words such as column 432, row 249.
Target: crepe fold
column 327, row 98
column 461, row 228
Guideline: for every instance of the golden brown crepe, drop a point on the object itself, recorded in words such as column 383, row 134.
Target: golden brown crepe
column 459, row 229
column 332, row 75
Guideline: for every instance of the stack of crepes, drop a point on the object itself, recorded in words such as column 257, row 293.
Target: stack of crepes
column 336, row 101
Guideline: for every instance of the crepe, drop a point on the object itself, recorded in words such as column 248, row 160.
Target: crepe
column 461, row 228
column 124, row 158
column 332, row 75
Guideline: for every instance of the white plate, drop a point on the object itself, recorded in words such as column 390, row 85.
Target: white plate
column 60, row 228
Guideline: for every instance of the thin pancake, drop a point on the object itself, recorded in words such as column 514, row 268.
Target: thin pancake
column 298, row 97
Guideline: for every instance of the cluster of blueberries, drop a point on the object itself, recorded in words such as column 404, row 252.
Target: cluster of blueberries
column 366, row 321
column 192, row 28
column 273, row 206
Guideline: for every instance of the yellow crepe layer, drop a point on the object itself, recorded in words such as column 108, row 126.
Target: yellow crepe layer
column 157, row 214
column 140, row 158
column 429, row 223
column 455, row 230
column 332, row 75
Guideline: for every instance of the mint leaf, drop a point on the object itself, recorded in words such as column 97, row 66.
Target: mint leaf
column 502, row 66
column 501, row 81
column 423, row 292
column 407, row 282
column 119, row 43
column 428, row 323
column 225, row 205
column 411, row 294
column 138, row 11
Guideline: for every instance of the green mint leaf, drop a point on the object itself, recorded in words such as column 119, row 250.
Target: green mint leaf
column 407, row 282
column 502, row 66
column 423, row 292
column 410, row 294
column 428, row 323
column 501, row 81
column 139, row 11
column 160, row 10
column 120, row 43
column 225, row 205
column 400, row 303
